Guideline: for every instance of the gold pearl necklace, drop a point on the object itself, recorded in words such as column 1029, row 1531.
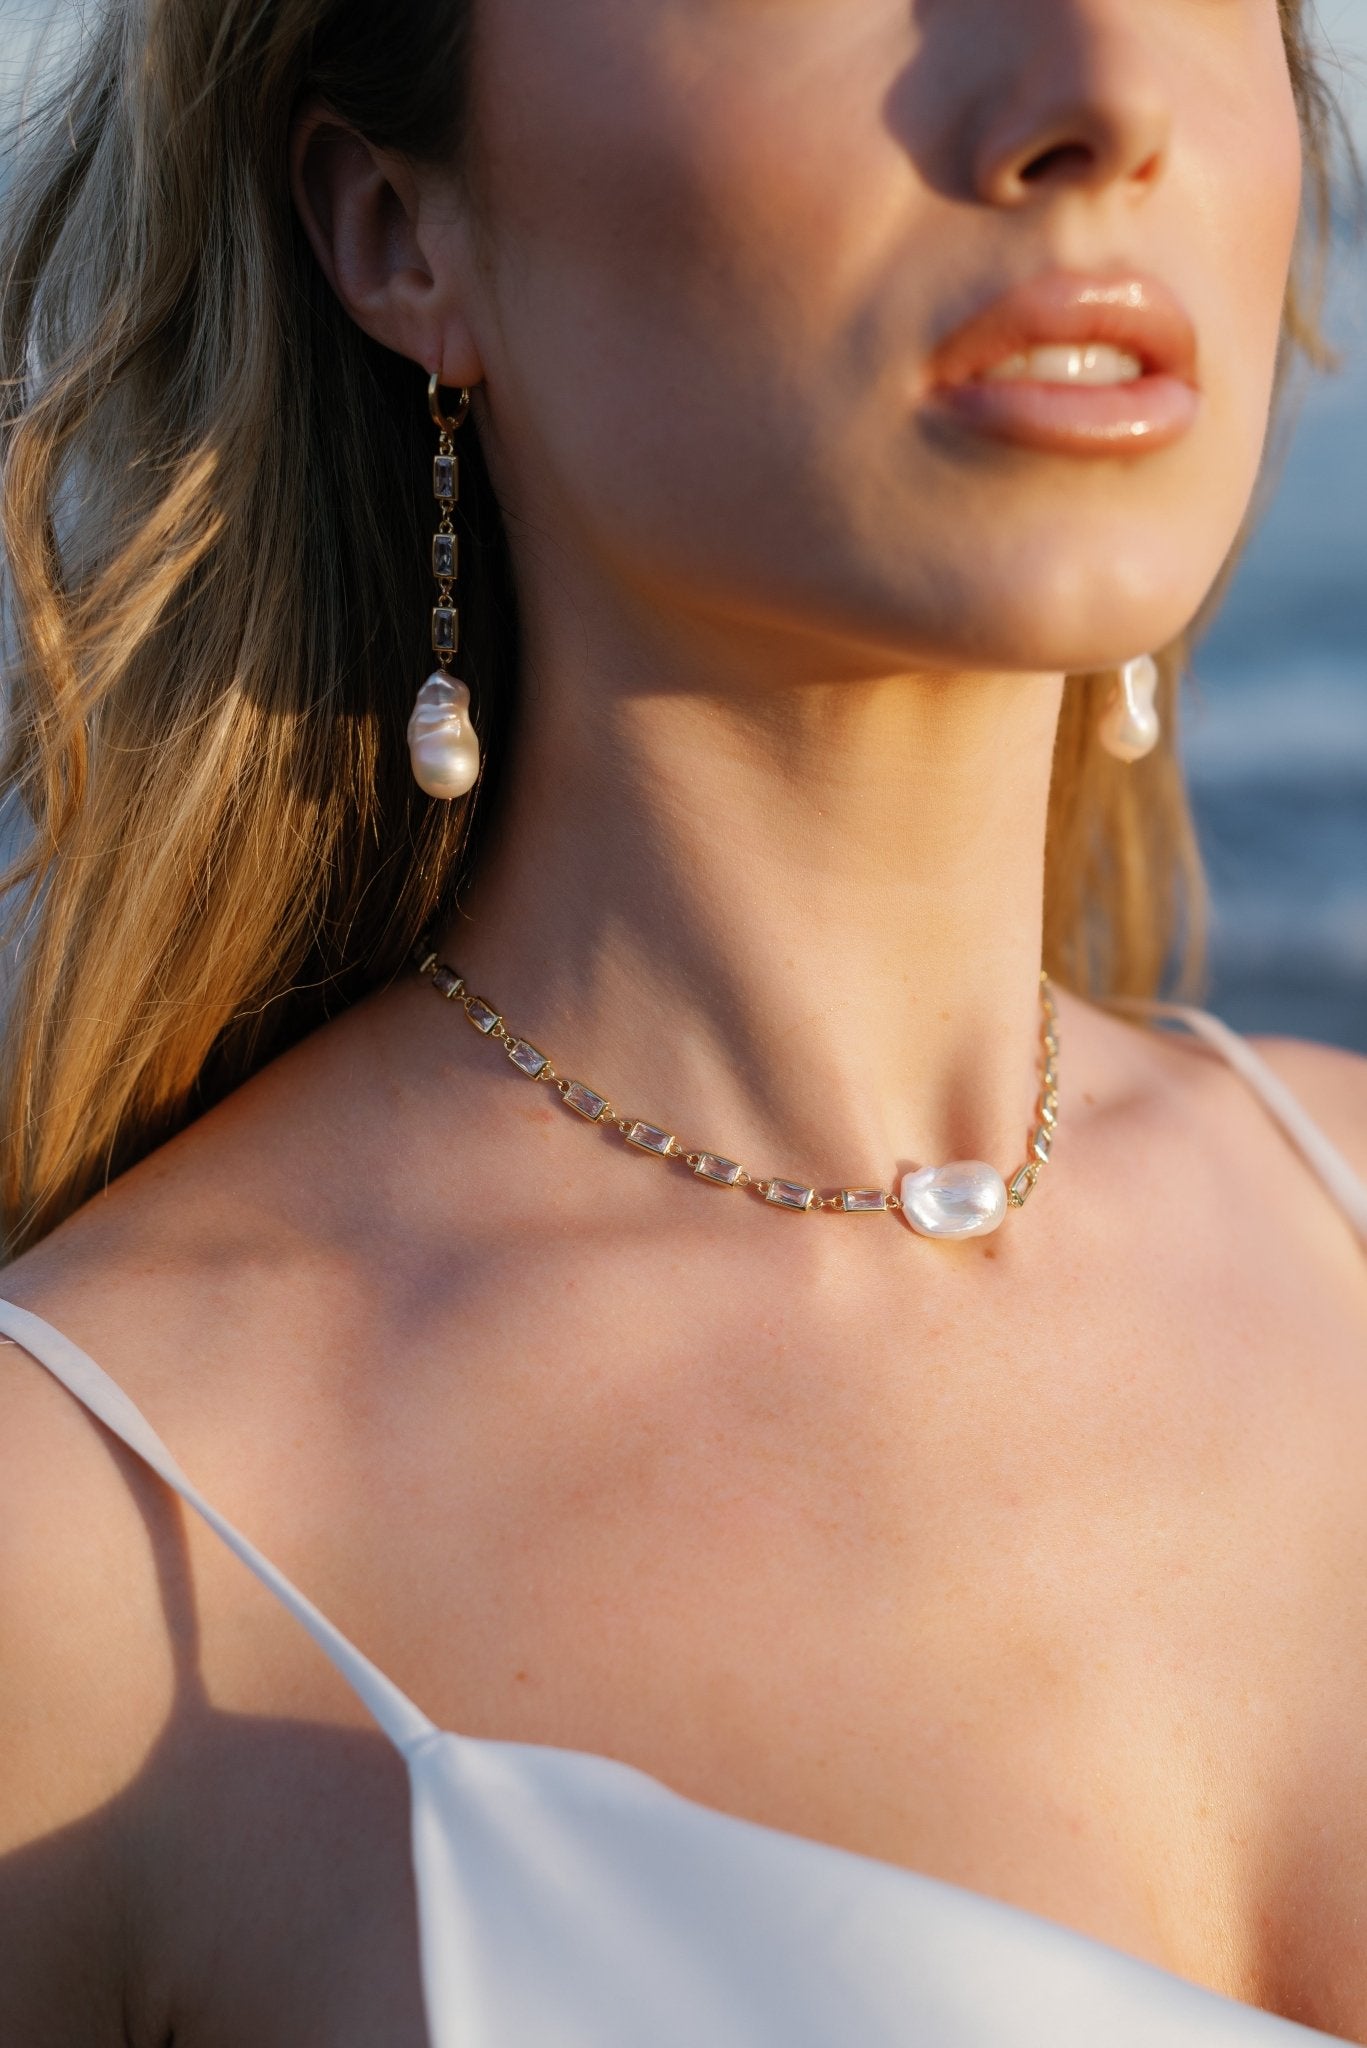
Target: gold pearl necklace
column 965, row 1199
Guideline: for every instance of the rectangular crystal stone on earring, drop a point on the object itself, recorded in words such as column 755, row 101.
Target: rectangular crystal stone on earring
column 583, row 1101
column 862, row 1201
column 447, row 983
column 445, row 479
column 723, row 1173
column 527, row 1058
column 444, row 556
column 1020, row 1187
column 481, row 1016
column 649, row 1138
column 1042, row 1144
column 786, row 1194
column 445, row 629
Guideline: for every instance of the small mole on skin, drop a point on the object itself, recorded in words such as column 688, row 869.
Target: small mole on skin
column 521, row 1677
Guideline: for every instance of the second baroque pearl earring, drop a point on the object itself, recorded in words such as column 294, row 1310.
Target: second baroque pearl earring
column 441, row 740
column 1130, row 725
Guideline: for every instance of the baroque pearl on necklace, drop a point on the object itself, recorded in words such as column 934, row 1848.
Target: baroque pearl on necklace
column 965, row 1199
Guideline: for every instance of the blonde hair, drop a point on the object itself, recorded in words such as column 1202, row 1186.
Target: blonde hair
column 213, row 496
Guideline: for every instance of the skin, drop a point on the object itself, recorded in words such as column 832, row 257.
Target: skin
column 1029, row 1562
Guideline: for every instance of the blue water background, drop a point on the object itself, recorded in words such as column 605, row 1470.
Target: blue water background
column 1275, row 733
column 1276, row 728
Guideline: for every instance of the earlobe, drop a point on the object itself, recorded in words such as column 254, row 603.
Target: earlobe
column 359, row 210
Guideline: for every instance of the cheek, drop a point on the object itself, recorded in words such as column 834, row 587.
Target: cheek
column 683, row 235
column 1247, row 187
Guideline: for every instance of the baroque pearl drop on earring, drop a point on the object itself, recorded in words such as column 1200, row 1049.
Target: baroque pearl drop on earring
column 441, row 740
column 442, row 747
column 1130, row 725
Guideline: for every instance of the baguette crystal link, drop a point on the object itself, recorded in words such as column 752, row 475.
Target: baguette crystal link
column 527, row 1058
column 714, row 1167
column 649, row 1138
column 583, row 1101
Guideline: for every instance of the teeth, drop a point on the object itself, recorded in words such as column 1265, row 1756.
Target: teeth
column 1096, row 362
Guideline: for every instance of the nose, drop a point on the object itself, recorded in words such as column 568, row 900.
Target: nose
column 1081, row 102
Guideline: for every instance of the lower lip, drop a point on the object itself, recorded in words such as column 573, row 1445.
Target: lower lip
column 1075, row 419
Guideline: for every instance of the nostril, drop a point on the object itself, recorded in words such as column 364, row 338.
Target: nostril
column 1065, row 157
column 1083, row 137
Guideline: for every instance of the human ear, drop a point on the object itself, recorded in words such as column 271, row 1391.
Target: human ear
column 361, row 210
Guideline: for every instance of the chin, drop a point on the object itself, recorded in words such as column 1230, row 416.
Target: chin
column 1079, row 611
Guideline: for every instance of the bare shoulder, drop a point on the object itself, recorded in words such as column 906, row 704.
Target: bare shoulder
column 169, row 1280
column 1330, row 1082
column 1177, row 1069
column 230, row 1287
column 85, row 1686
column 80, row 1523
column 252, row 1224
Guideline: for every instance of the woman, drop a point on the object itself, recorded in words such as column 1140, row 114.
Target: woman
column 938, row 1635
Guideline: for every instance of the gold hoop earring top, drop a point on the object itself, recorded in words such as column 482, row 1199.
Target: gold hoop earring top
column 439, row 418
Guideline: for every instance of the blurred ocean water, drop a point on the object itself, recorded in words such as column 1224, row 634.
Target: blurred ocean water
column 1275, row 734
column 1276, row 731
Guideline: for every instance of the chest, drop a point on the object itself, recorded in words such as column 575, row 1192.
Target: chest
column 1092, row 1640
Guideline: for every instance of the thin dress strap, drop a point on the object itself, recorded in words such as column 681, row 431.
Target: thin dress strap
column 403, row 1722
column 1343, row 1184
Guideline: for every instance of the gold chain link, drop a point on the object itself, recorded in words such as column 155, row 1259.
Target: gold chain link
column 429, row 966
column 446, row 446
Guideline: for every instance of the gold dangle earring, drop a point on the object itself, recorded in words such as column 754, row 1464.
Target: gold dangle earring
column 441, row 740
column 1130, row 726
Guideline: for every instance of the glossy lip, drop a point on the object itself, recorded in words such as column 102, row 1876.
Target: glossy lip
column 1132, row 312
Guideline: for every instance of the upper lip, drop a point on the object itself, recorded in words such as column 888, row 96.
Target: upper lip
column 1133, row 312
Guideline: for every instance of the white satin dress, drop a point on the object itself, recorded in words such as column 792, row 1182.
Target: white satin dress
column 570, row 1901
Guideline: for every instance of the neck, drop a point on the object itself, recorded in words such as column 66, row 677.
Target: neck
column 801, row 927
